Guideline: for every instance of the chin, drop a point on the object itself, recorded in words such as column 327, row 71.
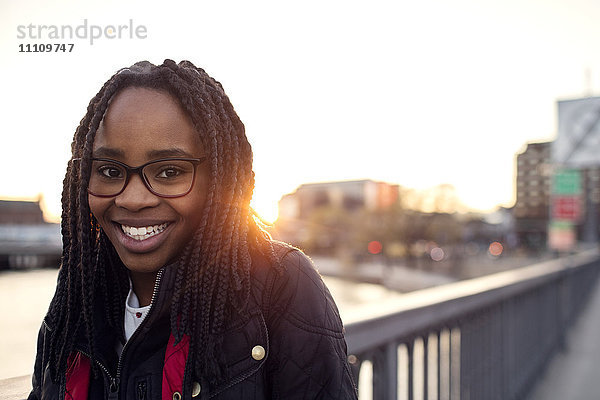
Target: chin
column 140, row 265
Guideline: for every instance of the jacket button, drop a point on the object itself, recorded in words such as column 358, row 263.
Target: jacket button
column 196, row 389
column 258, row 352
column 176, row 396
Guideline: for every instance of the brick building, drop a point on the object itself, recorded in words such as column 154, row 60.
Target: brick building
column 531, row 209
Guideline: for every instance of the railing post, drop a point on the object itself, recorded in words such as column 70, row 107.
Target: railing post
column 439, row 364
column 410, row 344
column 385, row 372
column 466, row 359
column 391, row 370
column 426, row 366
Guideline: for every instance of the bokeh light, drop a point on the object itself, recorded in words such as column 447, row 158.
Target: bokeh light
column 437, row 254
column 375, row 247
column 496, row 249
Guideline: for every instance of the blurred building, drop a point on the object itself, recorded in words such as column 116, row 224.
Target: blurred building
column 26, row 240
column 297, row 223
column 591, row 204
column 348, row 195
column 20, row 212
column 531, row 209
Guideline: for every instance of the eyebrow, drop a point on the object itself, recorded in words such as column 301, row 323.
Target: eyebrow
column 172, row 152
column 109, row 152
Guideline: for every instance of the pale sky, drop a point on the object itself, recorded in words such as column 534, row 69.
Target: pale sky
column 414, row 93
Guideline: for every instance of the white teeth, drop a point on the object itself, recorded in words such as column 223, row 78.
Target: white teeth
column 143, row 232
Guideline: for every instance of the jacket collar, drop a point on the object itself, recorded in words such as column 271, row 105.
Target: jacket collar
column 108, row 337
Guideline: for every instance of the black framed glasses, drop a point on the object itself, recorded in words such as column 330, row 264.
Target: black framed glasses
column 166, row 177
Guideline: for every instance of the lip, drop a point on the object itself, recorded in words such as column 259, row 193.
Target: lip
column 140, row 222
column 141, row 246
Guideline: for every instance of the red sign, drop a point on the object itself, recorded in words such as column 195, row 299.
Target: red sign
column 566, row 208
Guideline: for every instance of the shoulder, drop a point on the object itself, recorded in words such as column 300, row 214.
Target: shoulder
column 299, row 295
column 299, row 273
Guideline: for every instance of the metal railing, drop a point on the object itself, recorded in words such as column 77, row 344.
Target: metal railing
column 481, row 339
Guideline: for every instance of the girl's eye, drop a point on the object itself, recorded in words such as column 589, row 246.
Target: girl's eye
column 110, row 172
column 167, row 173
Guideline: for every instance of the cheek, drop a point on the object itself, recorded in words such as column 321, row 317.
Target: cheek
column 97, row 207
column 198, row 196
column 193, row 209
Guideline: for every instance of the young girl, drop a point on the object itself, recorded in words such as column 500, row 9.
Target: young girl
column 169, row 288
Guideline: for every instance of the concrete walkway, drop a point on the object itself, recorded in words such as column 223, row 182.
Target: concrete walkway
column 575, row 373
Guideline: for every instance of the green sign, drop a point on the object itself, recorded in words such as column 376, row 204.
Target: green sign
column 561, row 225
column 567, row 182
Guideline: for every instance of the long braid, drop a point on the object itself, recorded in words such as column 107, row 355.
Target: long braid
column 201, row 284
column 87, row 239
column 213, row 272
column 70, row 301
column 213, row 321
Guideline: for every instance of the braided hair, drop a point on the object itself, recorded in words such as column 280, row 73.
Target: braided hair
column 213, row 272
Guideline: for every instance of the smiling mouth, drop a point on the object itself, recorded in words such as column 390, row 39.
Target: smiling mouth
column 143, row 232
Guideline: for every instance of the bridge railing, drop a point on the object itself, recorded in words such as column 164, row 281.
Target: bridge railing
column 484, row 338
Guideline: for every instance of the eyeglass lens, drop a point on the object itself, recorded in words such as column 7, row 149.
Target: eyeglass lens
column 167, row 177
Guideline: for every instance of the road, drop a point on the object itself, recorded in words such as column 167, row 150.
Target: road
column 24, row 299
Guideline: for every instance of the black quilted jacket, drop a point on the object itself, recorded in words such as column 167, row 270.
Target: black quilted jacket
column 291, row 316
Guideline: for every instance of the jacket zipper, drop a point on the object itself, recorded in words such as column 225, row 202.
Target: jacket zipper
column 154, row 293
column 115, row 381
column 103, row 367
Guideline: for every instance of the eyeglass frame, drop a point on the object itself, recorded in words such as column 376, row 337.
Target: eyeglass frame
column 129, row 171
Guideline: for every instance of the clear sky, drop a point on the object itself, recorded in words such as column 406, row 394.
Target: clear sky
column 415, row 93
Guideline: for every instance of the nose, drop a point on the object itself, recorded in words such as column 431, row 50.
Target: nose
column 136, row 195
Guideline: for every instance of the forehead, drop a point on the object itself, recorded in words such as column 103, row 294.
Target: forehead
column 140, row 122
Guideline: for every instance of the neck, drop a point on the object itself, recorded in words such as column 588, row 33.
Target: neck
column 143, row 286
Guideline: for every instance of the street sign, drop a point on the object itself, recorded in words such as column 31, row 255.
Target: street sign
column 567, row 182
column 561, row 236
column 578, row 141
column 566, row 208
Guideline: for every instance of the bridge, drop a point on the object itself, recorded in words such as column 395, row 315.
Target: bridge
column 481, row 339
column 29, row 245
